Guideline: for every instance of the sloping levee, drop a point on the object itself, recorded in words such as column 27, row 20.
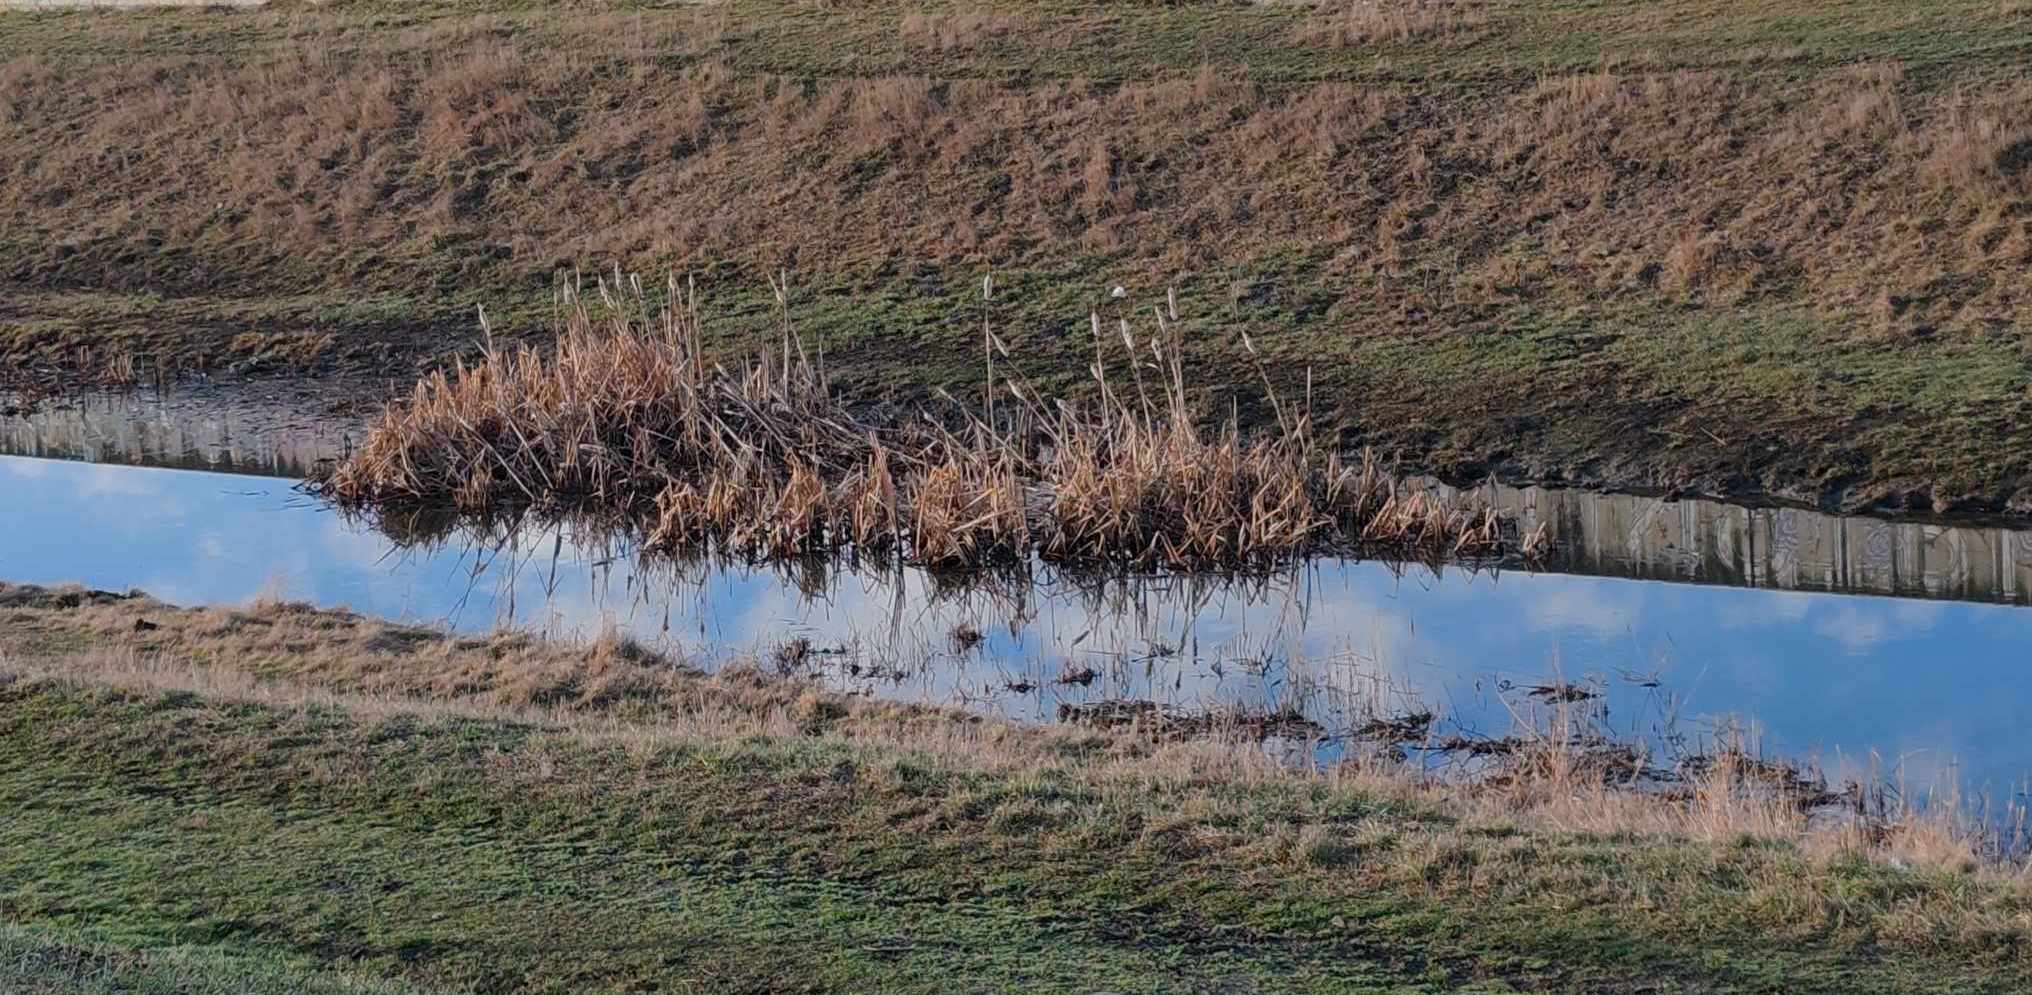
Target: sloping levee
column 123, row 4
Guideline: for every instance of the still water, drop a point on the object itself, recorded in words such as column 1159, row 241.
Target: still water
column 1684, row 615
column 270, row 428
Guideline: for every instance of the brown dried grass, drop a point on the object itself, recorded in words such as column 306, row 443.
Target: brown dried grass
column 1577, row 186
column 964, row 30
column 1357, row 23
column 627, row 416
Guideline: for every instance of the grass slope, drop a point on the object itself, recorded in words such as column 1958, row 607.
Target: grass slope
column 225, row 800
column 1775, row 248
column 1554, row 205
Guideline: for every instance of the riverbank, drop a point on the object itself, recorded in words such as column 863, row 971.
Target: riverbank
column 275, row 792
column 1544, row 241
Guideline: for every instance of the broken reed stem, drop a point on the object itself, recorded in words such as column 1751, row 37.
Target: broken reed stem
column 625, row 415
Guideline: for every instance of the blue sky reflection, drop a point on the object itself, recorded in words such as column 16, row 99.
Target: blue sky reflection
column 1927, row 681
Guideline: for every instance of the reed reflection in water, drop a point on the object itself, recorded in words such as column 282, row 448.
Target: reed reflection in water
column 1924, row 682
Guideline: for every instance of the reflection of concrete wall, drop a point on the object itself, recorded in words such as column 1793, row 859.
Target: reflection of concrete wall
column 136, row 430
column 1713, row 543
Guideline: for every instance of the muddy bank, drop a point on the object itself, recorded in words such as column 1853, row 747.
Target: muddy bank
column 1645, row 403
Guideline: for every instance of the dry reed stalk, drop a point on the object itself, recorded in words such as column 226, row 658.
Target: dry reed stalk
column 625, row 415
column 969, row 510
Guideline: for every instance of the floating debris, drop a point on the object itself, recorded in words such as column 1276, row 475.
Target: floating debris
column 1805, row 789
column 876, row 672
column 1167, row 722
column 1558, row 691
column 965, row 638
column 1537, row 758
column 1412, row 727
column 792, row 655
column 1568, row 693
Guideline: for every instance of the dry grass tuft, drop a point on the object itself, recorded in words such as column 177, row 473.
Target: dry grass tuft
column 627, row 416
column 962, row 31
column 1357, row 23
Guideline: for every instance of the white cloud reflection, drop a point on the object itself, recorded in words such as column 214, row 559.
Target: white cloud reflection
column 1820, row 670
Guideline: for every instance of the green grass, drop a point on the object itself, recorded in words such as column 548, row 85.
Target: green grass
column 279, row 798
column 1135, row 40
column 178, row 836
column 42, row 962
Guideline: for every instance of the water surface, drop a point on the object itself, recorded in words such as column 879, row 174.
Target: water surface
column 1935, row 686
column 270, row 428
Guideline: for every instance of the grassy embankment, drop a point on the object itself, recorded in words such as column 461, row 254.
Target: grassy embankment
column 281, row 799
column 1740, row 246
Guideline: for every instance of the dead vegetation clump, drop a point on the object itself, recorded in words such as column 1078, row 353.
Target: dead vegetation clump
column 627, row 415
column 1563, row 763
column 280, row 649
column 1161, row 490
column 1155, row 720
column 620, row 412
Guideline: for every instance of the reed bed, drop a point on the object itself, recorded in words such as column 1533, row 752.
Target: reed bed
column 628, row 415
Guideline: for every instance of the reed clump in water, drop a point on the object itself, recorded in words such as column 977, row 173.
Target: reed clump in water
column 618, row 409
column 627, row 415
